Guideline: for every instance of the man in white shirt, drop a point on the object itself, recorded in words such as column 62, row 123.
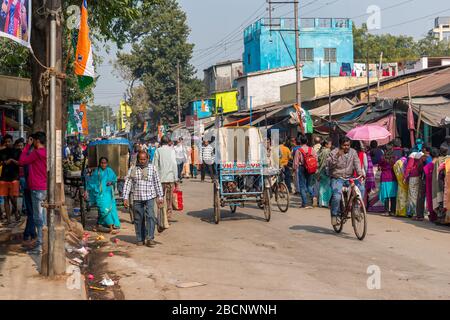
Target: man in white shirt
column 180, row 152
column 207, row 160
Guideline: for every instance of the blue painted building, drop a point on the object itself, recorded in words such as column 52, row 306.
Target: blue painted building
column 272, row 45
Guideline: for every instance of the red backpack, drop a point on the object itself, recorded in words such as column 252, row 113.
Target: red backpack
column 310, row 162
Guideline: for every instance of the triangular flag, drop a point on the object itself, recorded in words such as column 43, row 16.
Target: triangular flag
column 84, row 61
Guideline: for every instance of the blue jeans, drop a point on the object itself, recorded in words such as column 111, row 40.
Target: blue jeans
column 305, row 185
column 144, row 220
column 288, row 178
column 39, row 213
column 180, row 171
column 336, row 189
column 30, row 228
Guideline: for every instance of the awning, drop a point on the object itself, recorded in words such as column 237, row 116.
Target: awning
column 338, row 107
column 14, row 89
column 433, row 115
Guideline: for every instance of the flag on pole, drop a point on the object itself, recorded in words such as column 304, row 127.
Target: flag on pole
column 84, row 61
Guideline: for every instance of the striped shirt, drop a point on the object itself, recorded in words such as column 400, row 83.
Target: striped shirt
column 207, row 154
column 144, row 187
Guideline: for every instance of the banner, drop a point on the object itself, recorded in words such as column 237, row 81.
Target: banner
column 15, row 20
column 84, row 61
column 84, row 120
column 125, row 112
column 78, row 123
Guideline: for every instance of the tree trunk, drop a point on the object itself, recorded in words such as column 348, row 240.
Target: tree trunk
column 39, row 83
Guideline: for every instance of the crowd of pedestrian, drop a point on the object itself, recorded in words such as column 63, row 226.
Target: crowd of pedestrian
column 156, row 171
column 395, row 181
column 24, row 173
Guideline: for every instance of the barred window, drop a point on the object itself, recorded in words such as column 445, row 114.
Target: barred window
column 330, row 55
column 306, row 54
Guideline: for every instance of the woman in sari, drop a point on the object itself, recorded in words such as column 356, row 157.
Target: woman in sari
column 403, row 188
column 101, row 188
column 428, row 170
column 324, row 178
column 413, row 173
column 437, row 182
column 388, row 181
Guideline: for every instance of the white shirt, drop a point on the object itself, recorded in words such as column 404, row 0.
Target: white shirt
column 180, row 153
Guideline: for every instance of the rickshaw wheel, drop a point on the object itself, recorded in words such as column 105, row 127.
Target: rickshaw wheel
column 216, row 204
column 267, row 208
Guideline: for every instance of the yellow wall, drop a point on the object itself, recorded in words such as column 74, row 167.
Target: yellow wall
column 228, row 100
column 317, row 87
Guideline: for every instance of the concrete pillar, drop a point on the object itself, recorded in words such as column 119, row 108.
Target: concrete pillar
column 44, row 258
column 59, row 255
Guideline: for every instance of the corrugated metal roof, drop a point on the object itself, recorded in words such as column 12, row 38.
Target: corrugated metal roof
column 435, row 84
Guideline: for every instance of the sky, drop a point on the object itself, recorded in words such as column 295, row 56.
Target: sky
column 216, row 28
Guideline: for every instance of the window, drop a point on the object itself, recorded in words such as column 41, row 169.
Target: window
column 341, row 23
column 242, row 93
column 330, row 55
column 306, row 54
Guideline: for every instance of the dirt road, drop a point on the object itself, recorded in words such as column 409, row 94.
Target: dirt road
column 294, row 256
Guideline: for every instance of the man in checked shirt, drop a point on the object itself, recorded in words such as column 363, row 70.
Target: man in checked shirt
column 143, row 180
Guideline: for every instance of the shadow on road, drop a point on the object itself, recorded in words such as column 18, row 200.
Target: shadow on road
column 207, row 215
column 125, row 238
column 321, row 230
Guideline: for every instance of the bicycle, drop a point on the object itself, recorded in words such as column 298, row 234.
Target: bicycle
column 352, row 203
column 280, row 190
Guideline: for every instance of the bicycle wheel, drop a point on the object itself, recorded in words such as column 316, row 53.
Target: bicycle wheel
column 216, row 204
column 267, row 208
column 340, row 226
column 282, row 197
column 359, row 218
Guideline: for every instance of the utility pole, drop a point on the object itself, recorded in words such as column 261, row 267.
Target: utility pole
column 329, row 94
column 297, row 44
column 53, row 258
column 368, row 77
column 380, row 68
column 178, row 92
column 297, row 54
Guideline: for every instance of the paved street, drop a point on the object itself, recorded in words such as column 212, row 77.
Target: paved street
column 295, row 256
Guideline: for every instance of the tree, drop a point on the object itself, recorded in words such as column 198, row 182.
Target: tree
column 160, row 41
column 98, row 119
column 110, row 20
column 394, row 48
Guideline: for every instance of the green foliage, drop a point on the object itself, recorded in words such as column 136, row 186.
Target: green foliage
column 160, row 41
column 394, row 48
column 14, row 59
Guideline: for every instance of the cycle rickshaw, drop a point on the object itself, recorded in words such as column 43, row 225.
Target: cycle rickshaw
column 117, row 152
column 241, row 161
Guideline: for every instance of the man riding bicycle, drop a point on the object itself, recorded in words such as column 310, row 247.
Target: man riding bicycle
column 342, row 163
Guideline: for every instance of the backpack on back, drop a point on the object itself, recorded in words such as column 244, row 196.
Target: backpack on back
column 310, row 162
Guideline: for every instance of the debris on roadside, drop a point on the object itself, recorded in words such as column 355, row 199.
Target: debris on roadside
column 107, row 282
column 190, row 285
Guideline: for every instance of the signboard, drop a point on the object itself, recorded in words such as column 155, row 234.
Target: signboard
column 15, row 21
column 190, row 121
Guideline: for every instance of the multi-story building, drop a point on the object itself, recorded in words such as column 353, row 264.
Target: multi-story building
column 221, row 76
column 441, row 30
column 270, row 44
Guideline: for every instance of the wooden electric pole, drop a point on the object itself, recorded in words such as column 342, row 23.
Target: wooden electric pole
column 53, row 257
column 297, row 54
column 178, row 92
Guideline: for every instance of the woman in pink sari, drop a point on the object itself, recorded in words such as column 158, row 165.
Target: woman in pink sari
column 429, row 169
